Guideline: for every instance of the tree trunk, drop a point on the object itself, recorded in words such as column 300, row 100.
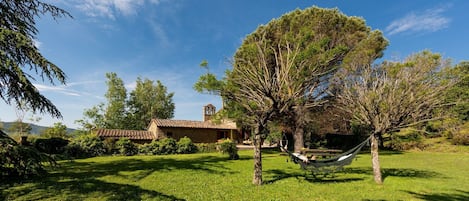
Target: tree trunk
column 298, row 137
column 298, row 130
column 375, row 159
column 257, row 179
column 380, row 141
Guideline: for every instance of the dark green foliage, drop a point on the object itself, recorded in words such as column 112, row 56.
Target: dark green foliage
column 160, row 147
column 150, row 148
column 17, row 33
column 110, row 145
column 21, row 161
column 185, row 146
column 206, row 147
column 167, row 146
column 406, row 139
column 53, row 145
column 86, row 146
column 229, row 147
column 126, row 147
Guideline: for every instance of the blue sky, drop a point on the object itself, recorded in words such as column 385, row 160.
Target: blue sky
column 167, row 39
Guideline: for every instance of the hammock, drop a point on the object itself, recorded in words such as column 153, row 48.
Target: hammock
column 327, row 165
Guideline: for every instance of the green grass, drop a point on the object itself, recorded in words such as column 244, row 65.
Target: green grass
column 407, row 176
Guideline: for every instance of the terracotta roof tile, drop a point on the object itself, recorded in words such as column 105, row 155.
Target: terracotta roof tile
column 131, row 134
column 168, row 123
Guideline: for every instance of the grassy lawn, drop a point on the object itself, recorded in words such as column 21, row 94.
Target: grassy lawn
column 408, row 176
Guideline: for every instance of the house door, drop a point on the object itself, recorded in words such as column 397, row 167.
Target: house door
column 222, row 135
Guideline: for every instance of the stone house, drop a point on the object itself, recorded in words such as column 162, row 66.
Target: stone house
column 204, row 131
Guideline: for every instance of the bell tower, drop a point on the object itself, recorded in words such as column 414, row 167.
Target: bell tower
column 208, row 111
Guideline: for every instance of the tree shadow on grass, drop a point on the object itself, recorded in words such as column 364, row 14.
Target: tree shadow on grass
column 209, row 164
column 80, row 190
column 396, row 172
column 80, row 178
column 277, row 175
column 459, row 195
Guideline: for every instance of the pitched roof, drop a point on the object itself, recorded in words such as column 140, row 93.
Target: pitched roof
column 167, row 123
column 131, row 134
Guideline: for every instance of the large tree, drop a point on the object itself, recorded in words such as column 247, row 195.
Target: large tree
column 325, row 40
column 282, row 69
column 394, row 95
column 147, row 101
column 20, row 58
column 116, row 95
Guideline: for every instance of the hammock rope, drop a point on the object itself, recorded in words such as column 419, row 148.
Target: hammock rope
column 326, row 165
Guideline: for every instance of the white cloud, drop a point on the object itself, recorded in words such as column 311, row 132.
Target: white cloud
column 111, row 8
column 428, row 21
column 62, row 90
column 130, row 86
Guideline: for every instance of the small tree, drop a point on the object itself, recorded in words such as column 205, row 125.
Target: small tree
column 393, row 95
column 59, row 130
column 227, row 146
column 20, row 128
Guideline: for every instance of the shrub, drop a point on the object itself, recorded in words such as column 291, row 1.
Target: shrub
column 144, row 149
column 149, row 148
column 185, row 146
column 229, row 147
column 21, row 161
column 110, row 146
column 53, row 145
column 167, row 146
column 206, row 147
column 126, row 147
column 86, row 146
column 461, row 135
column 406, row 139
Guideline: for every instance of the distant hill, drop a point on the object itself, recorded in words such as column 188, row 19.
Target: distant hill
column 35, row 129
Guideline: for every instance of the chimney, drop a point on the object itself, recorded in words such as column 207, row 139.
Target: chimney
column 208, row 112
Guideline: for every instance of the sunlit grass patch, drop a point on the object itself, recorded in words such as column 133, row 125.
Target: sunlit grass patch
column 211, row 176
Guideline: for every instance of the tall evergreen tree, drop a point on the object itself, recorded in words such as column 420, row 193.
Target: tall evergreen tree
column 19, row 56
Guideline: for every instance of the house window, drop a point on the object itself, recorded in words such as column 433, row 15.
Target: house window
column 169, row 134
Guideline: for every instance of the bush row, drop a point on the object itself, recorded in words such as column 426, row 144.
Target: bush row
column 91, row 145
